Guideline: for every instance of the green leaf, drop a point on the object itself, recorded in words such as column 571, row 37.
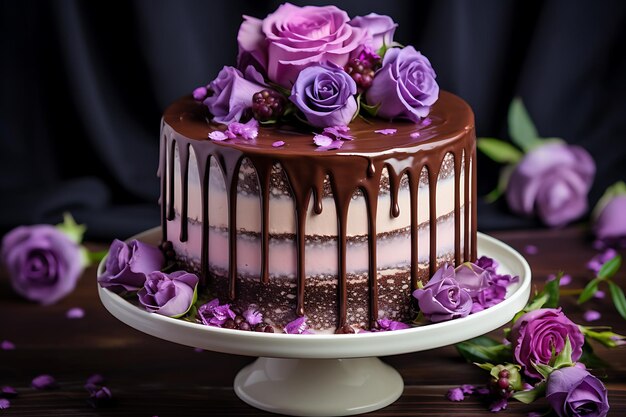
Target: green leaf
column 617, row 295
column 485, row 366
column 544, row 370
column 590, row 289
column 71, row 229
column 619, row 188
column 521, row 127
column 503, row 181
column 602, row 335
column 529, row 396
column 96, row 257
column 548, row 297
column 610, row 267
column 484, row 349
column 193, row 302
column 370, row 110
column 499, row 150
column 564, row 358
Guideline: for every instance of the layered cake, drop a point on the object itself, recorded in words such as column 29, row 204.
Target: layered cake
column 303, row 203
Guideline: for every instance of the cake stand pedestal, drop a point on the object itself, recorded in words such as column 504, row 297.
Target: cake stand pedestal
column 327, row 375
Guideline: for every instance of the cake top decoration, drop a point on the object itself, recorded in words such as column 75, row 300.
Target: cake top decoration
column 316, row 67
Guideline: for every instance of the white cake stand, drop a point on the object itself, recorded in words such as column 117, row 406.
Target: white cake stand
column 327, row 375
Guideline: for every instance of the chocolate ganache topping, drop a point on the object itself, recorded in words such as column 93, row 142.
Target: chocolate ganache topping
column 449, row 129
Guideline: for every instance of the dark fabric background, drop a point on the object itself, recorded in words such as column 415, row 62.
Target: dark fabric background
column 83, row 86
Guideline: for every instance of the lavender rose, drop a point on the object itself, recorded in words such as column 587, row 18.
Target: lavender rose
column 170, row 295
column 43, row 263
column 552, row 181
column 539, row 333
column 127, row 265
column 325, row 95
column 405, row 86
column 293, row 38
column 442, row 298
column 232, row 93
column 574, row 392
column 609, row 221
column 380, row 29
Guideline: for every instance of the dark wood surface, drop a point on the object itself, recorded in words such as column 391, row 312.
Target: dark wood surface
column 151, row 377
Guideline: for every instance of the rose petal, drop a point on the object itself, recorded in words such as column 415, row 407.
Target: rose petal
column 75, row 313
column 386, row 131
column 531, row 249
column 8, row 392
column 592, row 315
column 415, row 135
column 322, row 140
column 44, row 381
column 7, row 345
column 218, row 135
column 278, row 143
column 95, row 379
column 455, row 394
column 599, row 294
column 498, row 405
column 4, row 404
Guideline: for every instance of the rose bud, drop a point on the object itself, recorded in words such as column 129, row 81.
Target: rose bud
column 170, row 295
column 574, row 392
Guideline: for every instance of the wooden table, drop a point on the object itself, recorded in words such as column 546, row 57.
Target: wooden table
column 151, row 377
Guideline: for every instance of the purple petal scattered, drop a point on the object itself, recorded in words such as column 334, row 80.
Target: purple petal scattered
column 339, row 132
column 498, row 405
column 42, row 382
column 482, row 391
column 322, row 140
column 75, row 313
column 4, row 404
column 415, row 135
column 7, row 345
column 468, row 388
column 455, row 394
column 595, row 263
column 214, row 314
column 200, row 93
column 592, row 315
column 386, row 131
column 99, row 396
column 599, row 294
column 427, row 121
column 278, row 143
column 531, row 250
column 248, row 130
column 8, row 392
column 297, row 326
column 565, row 279
column 391, row 325
column 95, row 379
column 252, row 316
column 218, row 135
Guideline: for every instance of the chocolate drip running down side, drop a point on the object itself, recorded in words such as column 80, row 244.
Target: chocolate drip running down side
column 356, row 166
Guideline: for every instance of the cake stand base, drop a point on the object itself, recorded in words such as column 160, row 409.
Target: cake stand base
column 318, row 387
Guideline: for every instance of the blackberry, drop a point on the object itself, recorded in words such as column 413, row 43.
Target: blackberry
column 267, row 105
column 362, row 72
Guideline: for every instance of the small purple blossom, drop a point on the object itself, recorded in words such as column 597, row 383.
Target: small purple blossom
column 214, row 314
column 4, row 404
column 390, row 325
column 218, row 135
column 595, row 263
column 386, row 131
column 252, row 316
column 45, row 381
column 592, row 315
column 200, row 93
column 278, row 143
column 297, row 326
column 75, row 313
column 7, row 345
column 455, row 394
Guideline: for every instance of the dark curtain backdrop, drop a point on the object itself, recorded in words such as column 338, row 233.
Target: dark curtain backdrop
column 83, row 85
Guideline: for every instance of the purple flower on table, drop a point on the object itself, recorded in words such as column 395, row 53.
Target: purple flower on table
column 552, row 181
column 297, row 326
column 232, row 93
column 596, row 263
column 215, row 314
column 294, row 38
column 45, row 381
column 43, row 263
column 170, row 295
column 405, row 86
column 442, row 298
column 127, row 265
column 325, row 95
column 380, row 29
column 386, row 325
column 538, row 334
column 486, row 287
column 608, row 219
column 574, row 392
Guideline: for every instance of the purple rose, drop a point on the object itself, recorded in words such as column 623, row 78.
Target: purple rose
column 442, row 298
column 539, row 333
column 472, row 278
column 127, row 265
column 43, row 263
column 381, row 29
column 405, row 86
column 574, row 392
column 232, row 93
column 325, row 95
column 170, row 295
column 293, row 38
column 552, row 181
column 609, row 221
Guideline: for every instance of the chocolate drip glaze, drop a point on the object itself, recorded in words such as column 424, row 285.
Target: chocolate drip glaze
column 357, row 166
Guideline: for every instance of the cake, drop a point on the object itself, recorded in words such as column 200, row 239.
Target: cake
column 302, row 216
